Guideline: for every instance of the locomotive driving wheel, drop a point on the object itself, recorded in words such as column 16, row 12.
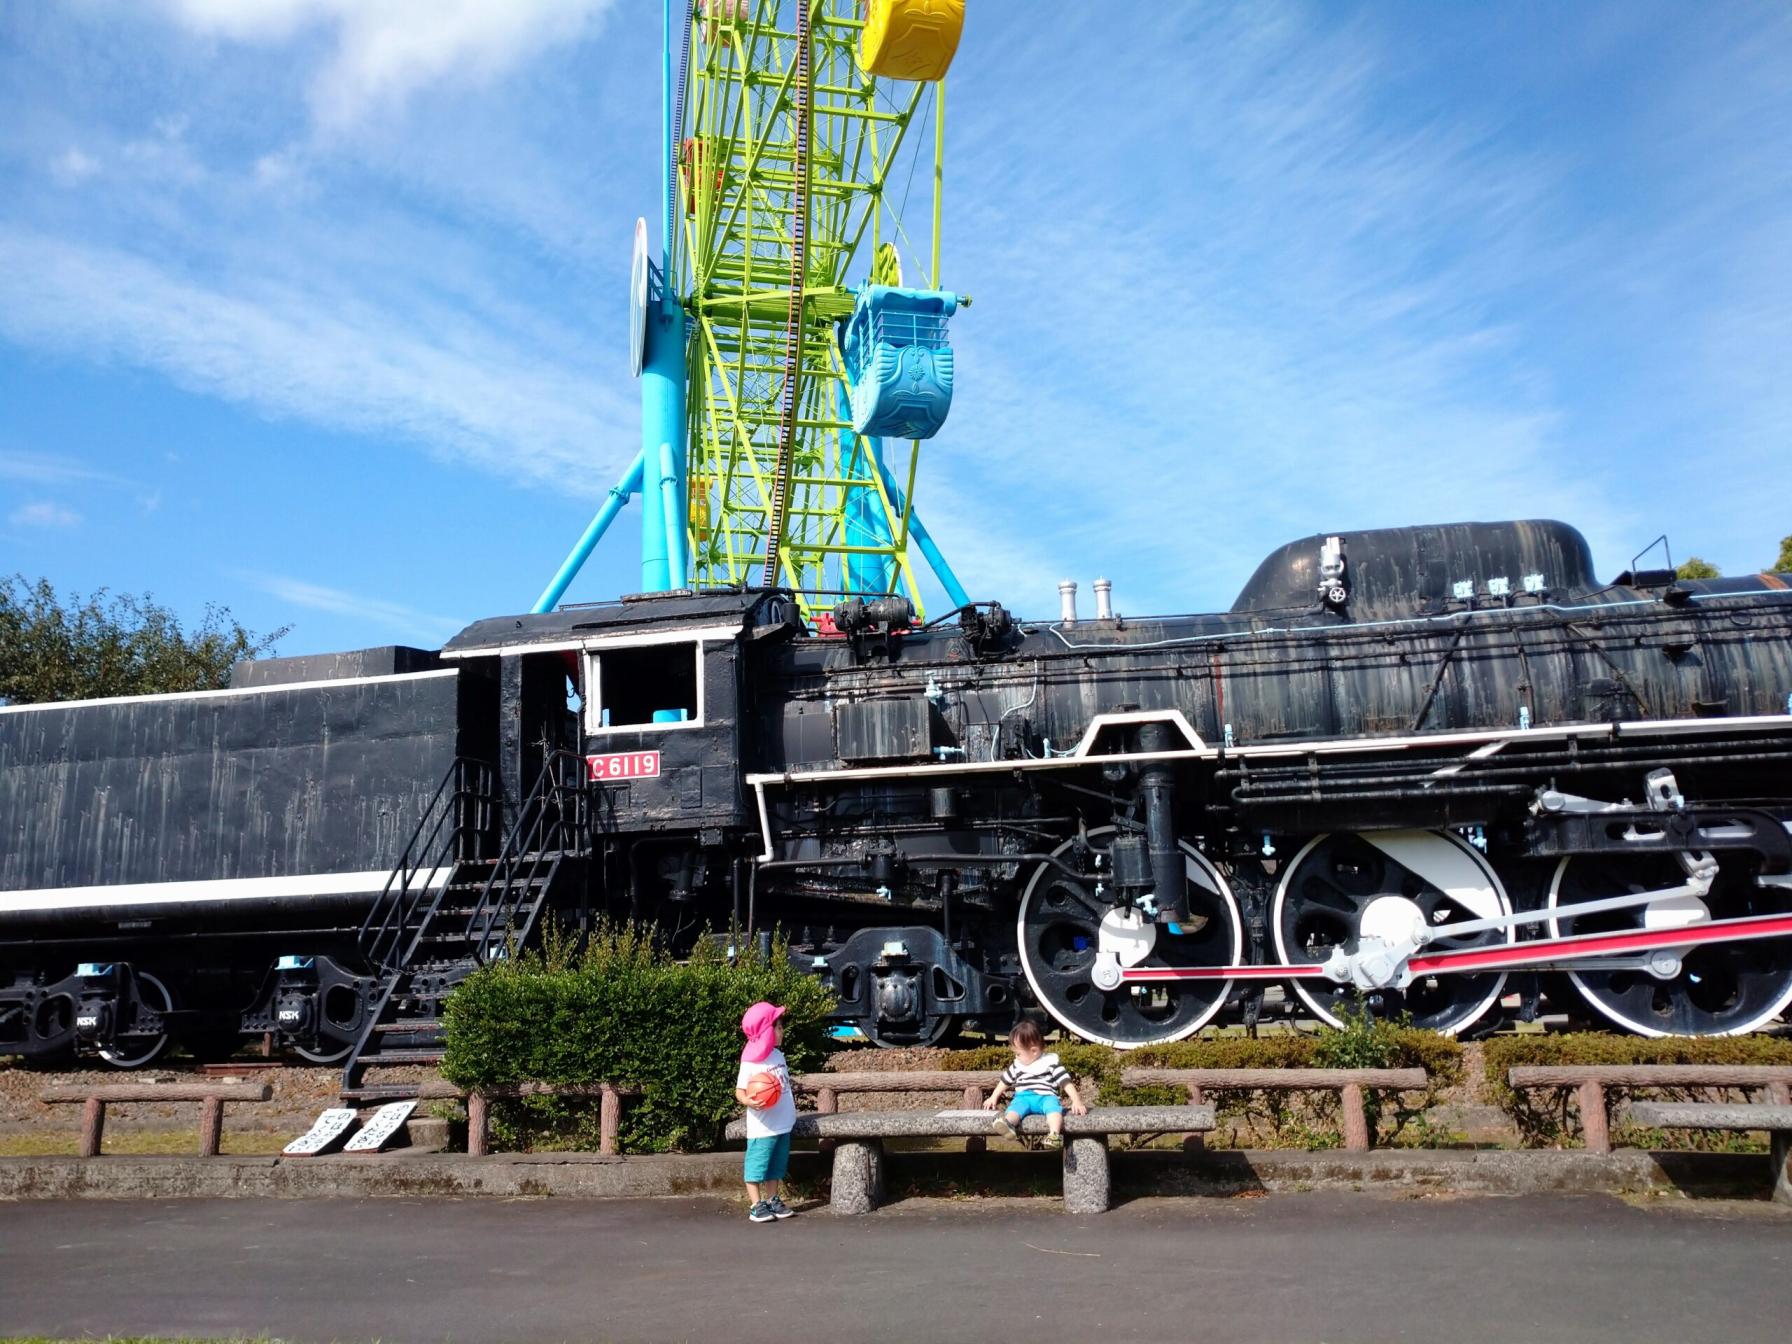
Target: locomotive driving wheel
column 1060, row 930
column 1719, row 989
column 1348, row 886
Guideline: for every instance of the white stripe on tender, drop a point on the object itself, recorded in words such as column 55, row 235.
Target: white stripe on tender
column 231, row 690
column 219, row 890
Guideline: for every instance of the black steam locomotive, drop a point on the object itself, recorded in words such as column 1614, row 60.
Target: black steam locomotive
column 1442, row 770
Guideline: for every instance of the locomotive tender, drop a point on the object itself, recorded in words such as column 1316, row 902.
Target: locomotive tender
column 1442, row 770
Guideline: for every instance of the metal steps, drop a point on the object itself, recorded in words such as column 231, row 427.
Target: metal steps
column 430, row 936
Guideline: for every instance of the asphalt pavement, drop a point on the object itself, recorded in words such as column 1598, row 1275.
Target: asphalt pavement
column 1338, row 1268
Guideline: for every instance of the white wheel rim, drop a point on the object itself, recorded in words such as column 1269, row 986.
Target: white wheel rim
column 1317, row 1005
column 1590, row 997
column 1218, row 884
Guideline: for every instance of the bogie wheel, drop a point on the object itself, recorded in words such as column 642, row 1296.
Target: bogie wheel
column 1354, row 884
column 138, row 1052
column 1720, row 989
column 1059, row 931
column 329, row 1055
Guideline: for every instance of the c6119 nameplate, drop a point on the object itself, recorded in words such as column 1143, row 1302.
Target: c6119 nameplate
column 615, row 765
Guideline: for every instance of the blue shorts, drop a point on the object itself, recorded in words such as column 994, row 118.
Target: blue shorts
column 768, row 1158
column 1024, row 1104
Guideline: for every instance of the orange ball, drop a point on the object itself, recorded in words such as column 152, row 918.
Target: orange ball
column 764, row 1089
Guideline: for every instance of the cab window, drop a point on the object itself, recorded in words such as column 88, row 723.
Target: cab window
column 645, row 686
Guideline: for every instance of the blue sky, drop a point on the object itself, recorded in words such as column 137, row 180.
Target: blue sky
column 316, row 307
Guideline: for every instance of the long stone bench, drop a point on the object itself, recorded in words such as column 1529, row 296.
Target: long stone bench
column 609, row 1116
column 1591, row 1080
column 1350, row 1085
column 1741, row 1116
column 972, row 1087
column 211, row 1098
column 858, row 1172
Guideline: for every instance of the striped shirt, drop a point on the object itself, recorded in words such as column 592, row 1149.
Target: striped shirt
column 1044, row 1076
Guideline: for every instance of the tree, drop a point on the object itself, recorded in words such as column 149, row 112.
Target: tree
column 1696, row 568
column 1784, row 564
column 51, row 649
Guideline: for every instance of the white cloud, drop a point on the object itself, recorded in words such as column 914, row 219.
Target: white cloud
column 44, row 513
column 72, row 167
column 306, row 344
column 393, row 618
column 51, row 469
column 382, row 51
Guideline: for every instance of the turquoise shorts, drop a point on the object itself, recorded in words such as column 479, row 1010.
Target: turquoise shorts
column 768, row 1158
column 1035, row 1103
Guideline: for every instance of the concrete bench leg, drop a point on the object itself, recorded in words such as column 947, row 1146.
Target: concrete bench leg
column 1782, row 1166
column 1085, row 1174
column 858, row 1185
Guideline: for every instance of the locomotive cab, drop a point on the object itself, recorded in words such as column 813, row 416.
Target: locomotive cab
column 646, row 691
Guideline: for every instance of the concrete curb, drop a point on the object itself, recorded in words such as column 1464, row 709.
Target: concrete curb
column 1135, row 1174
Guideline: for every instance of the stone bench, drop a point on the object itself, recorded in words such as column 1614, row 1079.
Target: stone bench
column 972, row 1088
column 1775, row 1119
column 609, row 1112
column 858, row 1173
column 210, row 1096
column 1350, row 1085
column 1591, row 1080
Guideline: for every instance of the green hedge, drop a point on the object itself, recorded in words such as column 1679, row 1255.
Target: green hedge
column 624, row 1012
column 1549, row 1117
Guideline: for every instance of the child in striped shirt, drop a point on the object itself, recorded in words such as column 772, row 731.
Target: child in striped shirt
column 1035, row 1078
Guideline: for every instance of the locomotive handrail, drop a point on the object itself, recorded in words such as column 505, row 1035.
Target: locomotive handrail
column 555, row 806
column 468, row 790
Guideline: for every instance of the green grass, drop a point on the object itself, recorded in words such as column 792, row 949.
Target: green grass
column 132, row 1143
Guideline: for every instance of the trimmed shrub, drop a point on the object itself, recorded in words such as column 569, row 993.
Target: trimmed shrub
column 624, row 1012
column 1548, row 1117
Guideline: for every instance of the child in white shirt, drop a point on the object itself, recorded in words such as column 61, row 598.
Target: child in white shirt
column 768, row 1126
column 1035, row 1078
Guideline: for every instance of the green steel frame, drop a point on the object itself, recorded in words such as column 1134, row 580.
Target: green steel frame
column 787, row 158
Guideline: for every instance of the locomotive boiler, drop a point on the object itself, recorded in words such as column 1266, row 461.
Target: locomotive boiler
column 1442, row 772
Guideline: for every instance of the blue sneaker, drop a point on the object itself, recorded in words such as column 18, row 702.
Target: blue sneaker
column 761, row 1213
column 779, row 1208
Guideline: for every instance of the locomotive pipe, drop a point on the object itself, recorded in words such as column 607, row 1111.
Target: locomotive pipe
column 1067, row 601
column 1157, row 786
column 1104, row 599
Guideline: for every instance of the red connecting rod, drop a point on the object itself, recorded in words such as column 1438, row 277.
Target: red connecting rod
column 1502, row 956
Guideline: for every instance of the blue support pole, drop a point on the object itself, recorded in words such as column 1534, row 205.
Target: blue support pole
column 672, row 504
column 662, row 427
column 581, row 552
column 941, row 570
column 865, row 522
column 663, row 375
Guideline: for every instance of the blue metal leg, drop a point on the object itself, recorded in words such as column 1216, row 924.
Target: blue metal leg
column 569, row 568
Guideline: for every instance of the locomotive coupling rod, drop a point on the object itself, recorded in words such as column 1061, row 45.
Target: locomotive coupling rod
column 1503, row 956
column 1697, row 887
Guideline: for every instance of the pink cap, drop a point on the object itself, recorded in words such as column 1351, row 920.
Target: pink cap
column 760, row 1025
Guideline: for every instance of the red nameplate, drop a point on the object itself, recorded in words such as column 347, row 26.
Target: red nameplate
column 623, row 765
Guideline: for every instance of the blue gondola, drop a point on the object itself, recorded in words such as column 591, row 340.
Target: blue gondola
column 898, row 361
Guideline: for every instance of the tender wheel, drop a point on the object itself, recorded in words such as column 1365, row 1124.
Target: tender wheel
column 1723, row 989
column 1350, row 884
column 324, row 1056
column 1059, row 928
column 135, row 1052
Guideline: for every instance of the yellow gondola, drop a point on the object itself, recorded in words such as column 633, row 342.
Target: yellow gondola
column 910, row 39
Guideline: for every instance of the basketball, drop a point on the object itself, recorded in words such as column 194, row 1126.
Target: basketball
column 764, row 1089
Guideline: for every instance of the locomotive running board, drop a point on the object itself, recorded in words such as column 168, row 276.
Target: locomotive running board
column 1504, row 956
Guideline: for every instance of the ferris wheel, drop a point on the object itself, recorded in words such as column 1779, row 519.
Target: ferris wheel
column 791, row 332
